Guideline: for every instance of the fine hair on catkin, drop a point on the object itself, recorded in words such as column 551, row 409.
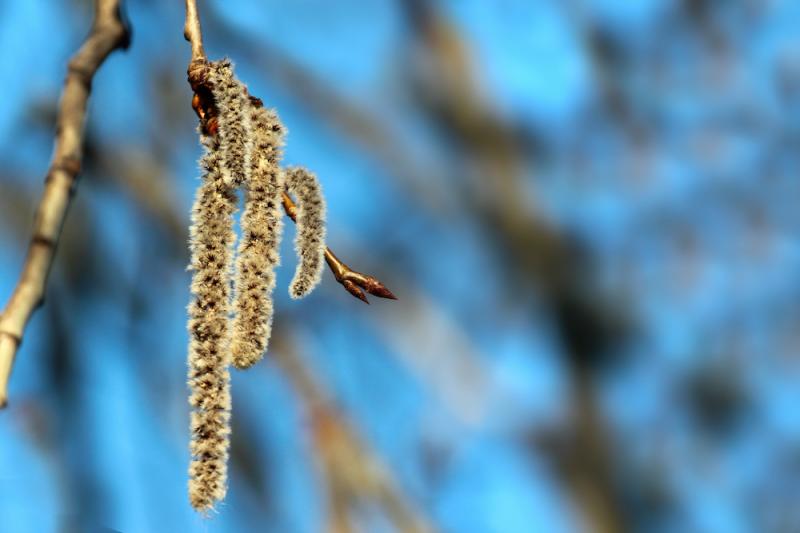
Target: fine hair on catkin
column 310, row 238
column 211, row 244
column 258, row 253
column 233, row 122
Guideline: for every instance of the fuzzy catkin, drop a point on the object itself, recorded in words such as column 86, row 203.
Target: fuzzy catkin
column 233, row 121
column 310, row 238
column 211, row 241
column 258, row 254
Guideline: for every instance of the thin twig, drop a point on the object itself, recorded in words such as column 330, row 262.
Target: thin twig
column 192, row 31
column 109, row 32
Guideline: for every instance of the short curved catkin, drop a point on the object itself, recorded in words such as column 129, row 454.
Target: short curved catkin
column 310, row 239
column 211, row 241
column 258, row 255
column 233, row 122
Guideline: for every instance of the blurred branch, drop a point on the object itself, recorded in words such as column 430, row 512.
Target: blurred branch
column 584, row 317
column 442, row 355
column 353, row 473
column 148, row 183
column 108, row 33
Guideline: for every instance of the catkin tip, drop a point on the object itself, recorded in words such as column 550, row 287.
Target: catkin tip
column 245, row 354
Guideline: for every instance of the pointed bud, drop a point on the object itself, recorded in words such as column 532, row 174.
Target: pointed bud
column 376, row 288
column 353, row 289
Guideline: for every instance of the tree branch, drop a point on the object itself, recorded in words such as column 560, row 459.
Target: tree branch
column 109, row 32
column 353, row 472
column 203, row 104
column 192, row 31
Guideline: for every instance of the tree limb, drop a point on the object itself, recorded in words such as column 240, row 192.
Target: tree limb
column 109, row 32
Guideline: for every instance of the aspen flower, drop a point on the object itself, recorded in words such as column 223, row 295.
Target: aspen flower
column 211, row 240
column 258, row 253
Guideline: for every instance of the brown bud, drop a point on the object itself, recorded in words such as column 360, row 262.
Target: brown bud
column 353, row 289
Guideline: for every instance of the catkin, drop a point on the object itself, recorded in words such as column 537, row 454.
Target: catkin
column 258, row 254
column 233, row 120
column 211, row 241
column 244, row 149
column 310, row 238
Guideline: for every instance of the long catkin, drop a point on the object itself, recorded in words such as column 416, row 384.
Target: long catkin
column 258, row 254
column 226, row 165
column 310, row 237
column 211, row 241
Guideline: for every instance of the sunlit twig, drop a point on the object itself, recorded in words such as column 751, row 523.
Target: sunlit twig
column 108, row 33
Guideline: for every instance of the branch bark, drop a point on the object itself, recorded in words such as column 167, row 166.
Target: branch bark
column 109, row 32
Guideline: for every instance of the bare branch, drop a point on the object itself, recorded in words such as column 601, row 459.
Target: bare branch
column 192, row 31
column 109, row 32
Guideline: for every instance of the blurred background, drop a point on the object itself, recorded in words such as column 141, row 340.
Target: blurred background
column 588, row 210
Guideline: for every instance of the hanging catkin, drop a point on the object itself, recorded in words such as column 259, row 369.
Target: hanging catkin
column 226, row 165
column 310, row 238
column 258, row 253
column 211, row 240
